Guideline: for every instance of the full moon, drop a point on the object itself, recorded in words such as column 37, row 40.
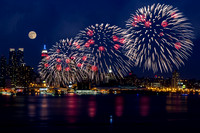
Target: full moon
column 32, row 34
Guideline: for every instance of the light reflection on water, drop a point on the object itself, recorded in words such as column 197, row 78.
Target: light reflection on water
column 44, row 109
column 144, row 106
column 176, row 104
column 31, row 110
column 119, row 106
column 72, row 109
column 92, row 107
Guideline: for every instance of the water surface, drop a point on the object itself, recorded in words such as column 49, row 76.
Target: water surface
column 100, row 113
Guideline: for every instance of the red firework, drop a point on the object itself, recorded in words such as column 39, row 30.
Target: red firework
column 173, row 15
column 117, row 46
column 68, row 61
column 87, row 44
column 79, row 65
column 72, row 58
column 134, row 24
column 58, row 67
column 164, row 24
column 94, row 68
column 147, row 24
column 177, row 45
column 75, row 43
column 58, row 60
column 84, row 58
column 67, row 69
column 161, row 34
column 143, row 18
column 115, row 38
column 46, row 65
column 48, row 57
column 90, row 33
column 58, row 50
column 91, row 41
column 78, row 46
column 101, row 48
column 122, row 40
column 139, row 18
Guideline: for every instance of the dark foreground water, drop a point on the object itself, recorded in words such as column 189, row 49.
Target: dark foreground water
column 100, row 113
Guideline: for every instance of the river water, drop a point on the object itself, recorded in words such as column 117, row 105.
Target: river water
column 100, row 113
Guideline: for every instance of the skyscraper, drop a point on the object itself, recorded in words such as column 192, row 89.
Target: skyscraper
column 175, row 79
column 3, row 69
column 3, row 65
column 12, row 67
column 44, row 52
column 25, row 75
column 16, row 73
column 20, row 56
column 16, row 59
column 12, row 57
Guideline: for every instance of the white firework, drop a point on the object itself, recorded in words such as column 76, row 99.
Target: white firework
column 161, row 38
column 101, row 52
column 58, row 67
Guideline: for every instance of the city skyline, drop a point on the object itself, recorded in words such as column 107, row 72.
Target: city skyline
column 14, row 71
column 99, row 66
column 66, row 23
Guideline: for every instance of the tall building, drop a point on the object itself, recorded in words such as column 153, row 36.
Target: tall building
column 16, row 73
column 175, row 79
column 25, row 75
column 3, row 66
column 12, row 57
column 3, row 70
column 44, row 52
column 20, row 56
column 17, row 68
column 12, row 67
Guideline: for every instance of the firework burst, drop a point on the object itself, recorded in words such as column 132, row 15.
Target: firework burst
column 160, row 38
column 101, row 52
column 58, row 67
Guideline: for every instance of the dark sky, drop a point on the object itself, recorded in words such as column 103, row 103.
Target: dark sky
column 57, row 19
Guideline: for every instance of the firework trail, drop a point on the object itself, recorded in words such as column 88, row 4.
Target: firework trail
column 58, row 67
column 101, row 47
column 160, row 38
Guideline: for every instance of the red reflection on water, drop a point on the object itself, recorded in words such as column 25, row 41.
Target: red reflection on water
column 92, row 107
column 119, row 106
column 72, row 109
column 144, row 106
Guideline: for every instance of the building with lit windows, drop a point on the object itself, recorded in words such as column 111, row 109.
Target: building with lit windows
column 25, row 75
column 16, row 73
column 44, row 52
column 3, row 71
column 20, row 56
column 12, row 67
column 12, row 57
column 175, row 79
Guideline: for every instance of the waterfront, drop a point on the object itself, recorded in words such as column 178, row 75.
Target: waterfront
column 100, row 113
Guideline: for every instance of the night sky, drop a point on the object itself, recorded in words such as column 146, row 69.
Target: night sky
column 54, row 20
